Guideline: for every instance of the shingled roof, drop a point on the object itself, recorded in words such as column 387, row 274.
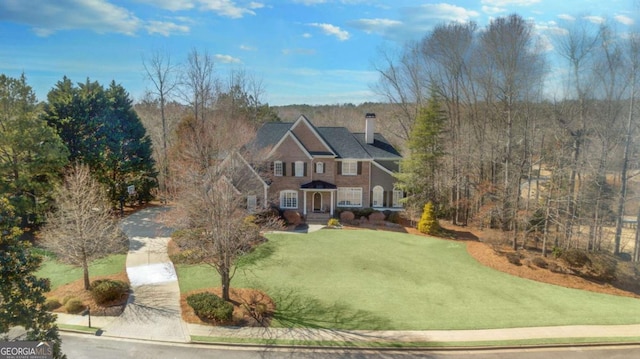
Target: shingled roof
column 344, row 143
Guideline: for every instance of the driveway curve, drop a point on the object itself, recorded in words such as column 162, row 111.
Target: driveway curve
column 153, row 310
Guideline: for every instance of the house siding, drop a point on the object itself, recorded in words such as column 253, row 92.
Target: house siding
column 308, row 138
column 361, row 180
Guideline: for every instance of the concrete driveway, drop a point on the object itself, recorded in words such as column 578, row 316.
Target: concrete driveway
column 153, row 311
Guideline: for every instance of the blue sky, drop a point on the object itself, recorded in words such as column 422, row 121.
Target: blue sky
column 305, row 51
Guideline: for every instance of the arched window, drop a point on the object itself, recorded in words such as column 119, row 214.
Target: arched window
column 378, row 197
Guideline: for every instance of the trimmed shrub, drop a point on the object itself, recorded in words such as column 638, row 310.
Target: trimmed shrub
column 602, row 267
column 428, row 223
column 347, row 216
column 292, row 217
column 52, row 303
column 575, row 258
column 106, row 290
column 513, row 258
column 394, row 217
column 540, row 262
column 74, row 306
column 66, row 299
column 376, row 218
column 210, row 307
column 333, row 222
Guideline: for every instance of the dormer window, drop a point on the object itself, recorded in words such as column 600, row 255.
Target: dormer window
column 320, row 167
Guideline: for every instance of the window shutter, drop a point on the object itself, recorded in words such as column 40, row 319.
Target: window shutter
column 359, row 167
column 339, row 168
column 315, row 168
column 304, row 170
column 293, row 168
column 273, row 166
column 284, row 169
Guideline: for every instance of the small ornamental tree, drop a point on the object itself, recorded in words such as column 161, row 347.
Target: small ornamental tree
column 428, row 223
column 82, row 228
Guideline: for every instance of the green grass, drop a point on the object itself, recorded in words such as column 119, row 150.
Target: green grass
column 60, row 273
column 391, row 344
column 78, row 328
column 383, row 280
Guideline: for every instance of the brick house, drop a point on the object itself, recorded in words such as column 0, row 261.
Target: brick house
column 315, row 170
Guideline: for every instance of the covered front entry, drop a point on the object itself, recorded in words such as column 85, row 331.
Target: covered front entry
column 317, row 202
column 318, row 197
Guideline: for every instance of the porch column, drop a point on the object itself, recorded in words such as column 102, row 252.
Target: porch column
column 331, row 210
column 304, row 210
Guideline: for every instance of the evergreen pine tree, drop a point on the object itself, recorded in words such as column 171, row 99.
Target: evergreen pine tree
column 428, row 222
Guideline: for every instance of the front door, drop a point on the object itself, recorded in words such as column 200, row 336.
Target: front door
column 317, row 202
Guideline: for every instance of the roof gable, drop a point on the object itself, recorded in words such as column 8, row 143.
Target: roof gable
column 308, row 134
column 292, row 136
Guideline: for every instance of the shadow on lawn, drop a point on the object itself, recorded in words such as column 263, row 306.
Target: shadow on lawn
column 314, row 323
column 294, row 310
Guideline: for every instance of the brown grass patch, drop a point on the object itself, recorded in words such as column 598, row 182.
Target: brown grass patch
column 76, row 290
column 244, row 301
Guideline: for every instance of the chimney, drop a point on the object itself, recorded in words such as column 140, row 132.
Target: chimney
column 369, row 127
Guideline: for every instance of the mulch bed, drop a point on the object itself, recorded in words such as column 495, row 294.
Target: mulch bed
column 76, row 290
column 241, row 298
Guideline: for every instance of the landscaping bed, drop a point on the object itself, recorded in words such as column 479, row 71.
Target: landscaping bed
column 251, row 307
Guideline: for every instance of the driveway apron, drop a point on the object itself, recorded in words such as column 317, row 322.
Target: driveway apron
column 153, row 310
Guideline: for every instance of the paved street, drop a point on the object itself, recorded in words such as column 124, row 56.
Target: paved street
column 82, row 346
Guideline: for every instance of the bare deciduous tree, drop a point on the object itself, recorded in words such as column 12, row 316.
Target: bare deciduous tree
column 162, row 74
column 82, row 228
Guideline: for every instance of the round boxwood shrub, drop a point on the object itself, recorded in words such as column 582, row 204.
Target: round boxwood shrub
column 74, row 306
column 52, row 303
column 107, row 290
column 210, row 307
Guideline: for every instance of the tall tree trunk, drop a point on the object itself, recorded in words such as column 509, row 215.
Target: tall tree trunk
column 85, row 270
column 625, row 166
column 225, row 278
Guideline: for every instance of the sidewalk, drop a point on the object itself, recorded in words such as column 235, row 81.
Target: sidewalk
column 434, row 336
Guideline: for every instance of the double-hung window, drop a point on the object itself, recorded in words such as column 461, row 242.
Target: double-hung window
column 299, row 169
column 277, row 168
column 349, row 197
column 319, row 167
column 349, row 168
column 397, row 196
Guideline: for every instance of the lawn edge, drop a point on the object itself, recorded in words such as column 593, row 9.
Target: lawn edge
column 391, row 345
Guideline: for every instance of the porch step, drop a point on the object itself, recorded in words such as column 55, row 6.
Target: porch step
column 318, row 218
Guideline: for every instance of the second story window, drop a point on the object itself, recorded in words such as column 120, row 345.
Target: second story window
column 319, row 167
column 277, row 168
column 349, row 168
column 299, row 169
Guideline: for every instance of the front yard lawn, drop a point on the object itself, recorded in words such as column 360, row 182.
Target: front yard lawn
column 365, row 279
column 60, row 273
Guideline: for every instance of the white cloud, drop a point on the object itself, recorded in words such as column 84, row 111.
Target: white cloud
column 165, row 28
column 566, row 17
column 255, row 5
column 227, row 59
column 623, row 19
column 247, row 48
column 550, row 27
column 442, row 11
column 307, row 35
column 50, row 17
column 332, row 30
column 226, row 8
column 172, row 5
column 492, row 10
column 595, row 19
column 503, row 3
column 377, row 26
